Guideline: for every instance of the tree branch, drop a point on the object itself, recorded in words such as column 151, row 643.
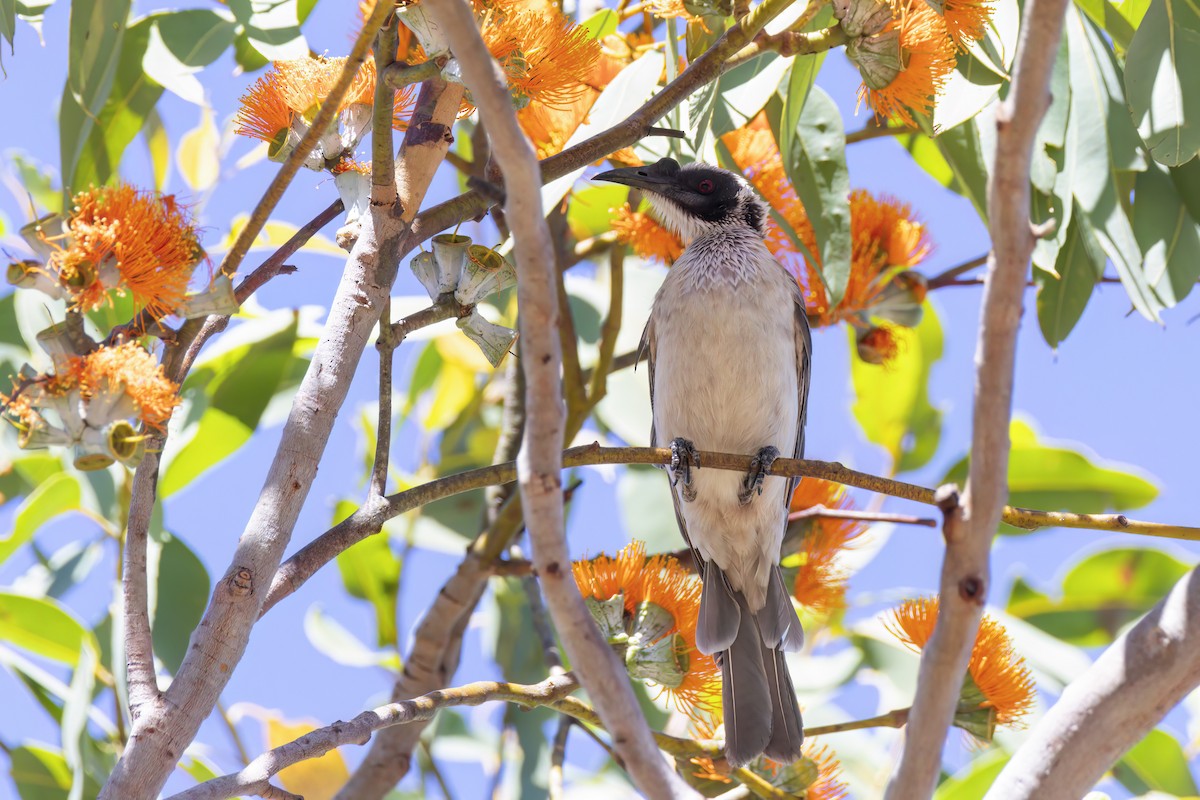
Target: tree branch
column 257, row 774
column 539, row 465
column 367, row 520
column 219, row 641
column 1108, row 709
column 965, row 570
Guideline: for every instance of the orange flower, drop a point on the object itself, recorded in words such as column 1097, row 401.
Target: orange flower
column 550, row 126
column 966, row 20
column 884, row 232
column 121, row 238
column 646, row 237
column 545, row 56
column 996, row 668
column 926, row 60
column 877, row 344
column 820, row 583
column 130, row 370
column 295, row 89
column 650, row 588
column 829, row 769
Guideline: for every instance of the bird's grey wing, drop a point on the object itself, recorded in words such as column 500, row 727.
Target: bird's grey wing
column 803, row 379
column 646, row 349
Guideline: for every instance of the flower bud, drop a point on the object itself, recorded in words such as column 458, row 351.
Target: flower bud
column 42, row 435
column 665, row 661
column 862, row 17
column 218, row 298
column 494, row 340
column 878, row 58
column 610, row 618
column 428, row 33
column 484, row 273
column 41, row 232
column 450, row 253
column 426, row 270
column 62, row 345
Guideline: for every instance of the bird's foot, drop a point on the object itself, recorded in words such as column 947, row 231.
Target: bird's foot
column 760, row 467
column 684, row 457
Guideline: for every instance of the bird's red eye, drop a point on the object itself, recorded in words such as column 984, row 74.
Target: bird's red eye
column 705, row 186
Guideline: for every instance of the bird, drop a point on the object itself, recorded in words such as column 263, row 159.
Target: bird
column 729, row 349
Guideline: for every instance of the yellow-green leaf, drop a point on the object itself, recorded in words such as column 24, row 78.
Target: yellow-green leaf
column 198, row 156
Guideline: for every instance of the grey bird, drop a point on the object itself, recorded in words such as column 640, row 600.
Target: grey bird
column 728, row 347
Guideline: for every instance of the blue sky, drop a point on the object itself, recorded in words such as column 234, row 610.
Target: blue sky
column 1124, row 387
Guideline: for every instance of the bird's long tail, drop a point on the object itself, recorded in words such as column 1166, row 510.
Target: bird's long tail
column 759, row 702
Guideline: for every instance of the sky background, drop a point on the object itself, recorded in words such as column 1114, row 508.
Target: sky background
column 1122, row 386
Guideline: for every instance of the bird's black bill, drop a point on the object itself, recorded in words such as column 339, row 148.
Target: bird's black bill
column 652, row 177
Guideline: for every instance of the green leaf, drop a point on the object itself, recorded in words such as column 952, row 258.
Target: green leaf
column 955, row 159
column 1052, row 133
column 1061, row 298
column 158, row 147
column 97, row 29
column 892, row 402
column 816, row 166
column 43, row 627
column 75, row 717
column 237, row 386
column 802, row 75
column 56, row 495
column 591, row 210
column 1110, row 18
column 970, row 88
column 1096, row 138
column 41, row 773
column 179, row 598
column 603, row 23
column 1165, row 49
column 1100, row 595
column 743, row 91
column 8, row 23
column 199, row 156
column 36, row 179
column 371, row 571
column 1156, row 764
column 973, row 781
column 267, row 31
column 1057, row 478
column 330, row 638
column 160, row 50
column 183, row 42
column 1168, row 235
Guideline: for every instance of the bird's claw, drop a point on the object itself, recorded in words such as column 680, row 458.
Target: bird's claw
column 684, row 457
column 760, row 467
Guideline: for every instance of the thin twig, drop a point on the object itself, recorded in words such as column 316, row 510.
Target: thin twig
column 255, row 776
column 873, row 130
column 949, row 276
column 821, row 512
column 367, row 520
column 969, row 530
column 558, row 755
column 611, row 327
column 892, row 719
column 234, row 736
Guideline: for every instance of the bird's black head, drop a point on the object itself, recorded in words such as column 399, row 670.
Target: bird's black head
column 696, row 198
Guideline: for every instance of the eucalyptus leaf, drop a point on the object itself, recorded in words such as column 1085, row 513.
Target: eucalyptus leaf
column 43, row 627
column 1100, row 155
column 1063, row 295
column 1060, row 478
column 371, row 571
column 1165, row 106
column 97, row 29
column 1100, row 595
column 1169, row 236
column 892, row 401
column 1156, row 764
column 816, row 166
column 57, row 495
column 180, row 595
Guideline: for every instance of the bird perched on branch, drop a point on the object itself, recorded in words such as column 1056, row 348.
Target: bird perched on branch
column 729, row 347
